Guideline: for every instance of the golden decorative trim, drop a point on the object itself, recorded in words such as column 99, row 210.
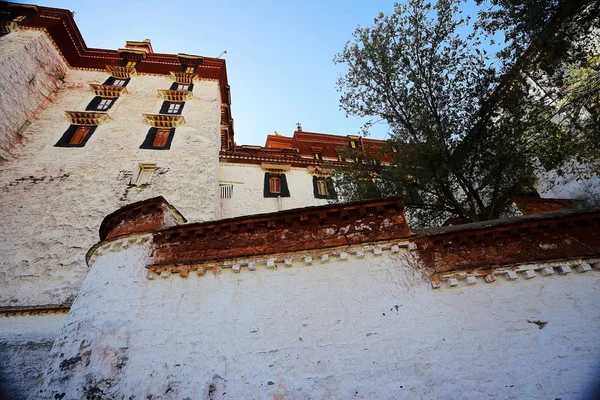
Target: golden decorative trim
column 225, row 114
column 87, row 118
column 141, row 53
column 7, row 27
column 275, row 168
column 175, row 95
column 108, row 90
column 319, row 172
column 164, row 121
column 183, row 78
column 121, row 72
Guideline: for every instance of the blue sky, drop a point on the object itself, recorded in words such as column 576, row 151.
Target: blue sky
column 279, row 53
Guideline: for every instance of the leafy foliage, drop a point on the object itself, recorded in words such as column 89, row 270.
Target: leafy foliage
column 553, row 26
column 461, row 149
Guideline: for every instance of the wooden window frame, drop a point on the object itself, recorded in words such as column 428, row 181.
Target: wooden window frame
column 330, row 189
column 283, row 186
column 149, row 141
column 67, row 139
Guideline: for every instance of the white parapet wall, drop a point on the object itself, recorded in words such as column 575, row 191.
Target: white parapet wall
column 350, row 322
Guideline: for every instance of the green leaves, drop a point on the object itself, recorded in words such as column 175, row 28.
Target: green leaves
column 464, row 147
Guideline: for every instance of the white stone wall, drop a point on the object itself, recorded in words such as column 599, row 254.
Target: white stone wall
column 31, row 72
column 54, row 199
column 363, row 328
column 248, row 190
column 25, row 343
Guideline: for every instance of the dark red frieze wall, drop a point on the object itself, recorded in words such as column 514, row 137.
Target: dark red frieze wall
column 550, row 236
column 286, row 231
column 542, row 237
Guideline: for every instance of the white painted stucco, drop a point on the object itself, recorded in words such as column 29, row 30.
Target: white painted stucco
column 31, row 72
column 25, row 343
column 248, row 190
column 54, row 199
column 367, row 328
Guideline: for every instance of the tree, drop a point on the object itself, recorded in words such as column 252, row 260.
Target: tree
column 421, row 71
column 553, row 26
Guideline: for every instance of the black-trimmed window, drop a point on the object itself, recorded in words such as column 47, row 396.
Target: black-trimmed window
column 318, row 156
column 353, row 144
column 323, row 188
column 76, row 136
column 112, row 81
column 181, row 86
column 276, row 185
column 158, row 139
column 340, row 158
column 169, row 107
column 101, row 103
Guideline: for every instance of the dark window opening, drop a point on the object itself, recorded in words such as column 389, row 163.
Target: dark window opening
column 100, row 104
column 172, row 108
column 181, row 86
column 112, row 81
column 323, row 188
column 158, row 139
column 76, row 136
column 190, row 69
column 276, row 185
column 318, row 156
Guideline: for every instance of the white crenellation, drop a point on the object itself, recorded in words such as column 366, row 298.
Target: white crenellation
column 526, row 271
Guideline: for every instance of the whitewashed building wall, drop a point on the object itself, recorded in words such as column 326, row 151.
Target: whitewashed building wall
column 248, row 190
column 53, row 199
column 367, row 328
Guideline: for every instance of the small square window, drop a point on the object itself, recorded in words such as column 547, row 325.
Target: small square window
column 100, row 104
column 174, row 108
column 340, row 158
column 112, row 81
column 190, row 70
column 181, row 86
column 76, row 136
column 171, row 108
column 353, row 144
column 131, row 64
column 318, row 156
column 144, row 174
column 105, row 104
column 158, row 139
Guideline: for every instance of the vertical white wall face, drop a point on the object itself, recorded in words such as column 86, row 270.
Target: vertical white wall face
column 25, row 343
column 581, row 182
column 362, row 328
column 31, row 72
column 54, row 199
column 248, row 190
